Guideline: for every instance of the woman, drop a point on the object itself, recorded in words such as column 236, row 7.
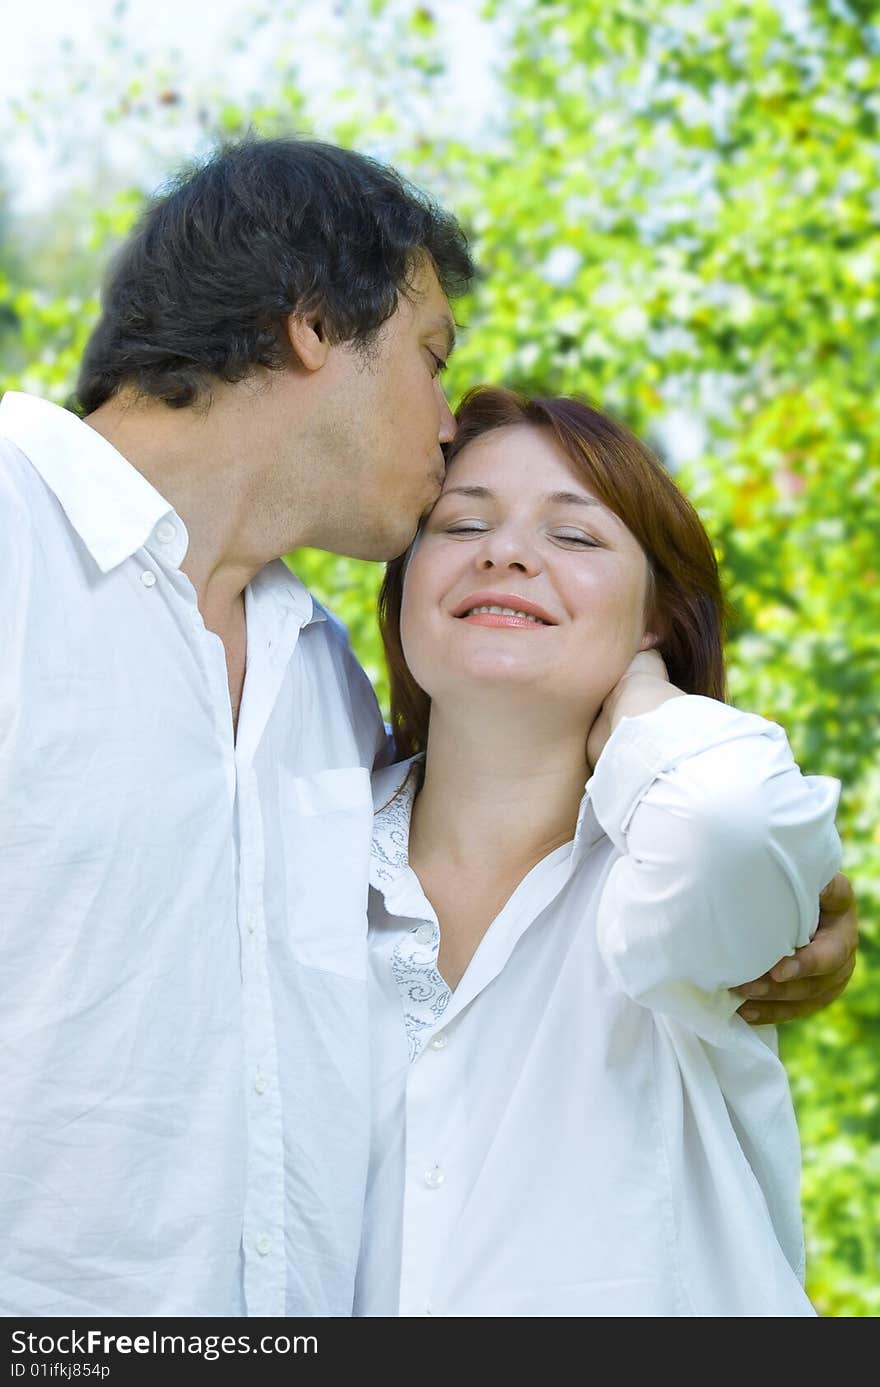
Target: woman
column 570, row 1118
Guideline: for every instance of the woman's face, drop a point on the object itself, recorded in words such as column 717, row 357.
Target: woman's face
column 515, row 527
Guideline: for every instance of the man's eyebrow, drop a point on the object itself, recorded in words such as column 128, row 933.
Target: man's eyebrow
column 447, row 327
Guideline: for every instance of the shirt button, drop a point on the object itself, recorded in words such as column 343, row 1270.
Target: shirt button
column 148, row 578
column 165, row 532
column 263, row 1245
column 425, row 934
column 434, row 1178
column 439, row 1042
column 260, row 1083
column 251, row 922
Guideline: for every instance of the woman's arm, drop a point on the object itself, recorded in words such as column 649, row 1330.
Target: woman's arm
column 725, row 845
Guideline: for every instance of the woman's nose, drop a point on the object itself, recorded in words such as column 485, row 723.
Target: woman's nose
column 505, row 550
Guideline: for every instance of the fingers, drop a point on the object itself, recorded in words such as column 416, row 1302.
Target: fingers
column 817, row 974
column 647, row 662
column 800, row 989
column 778, row 1013
column 832, row 946
column 837, row 896
column 829, row 957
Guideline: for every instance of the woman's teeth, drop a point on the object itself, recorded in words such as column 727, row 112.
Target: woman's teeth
column 506, row 611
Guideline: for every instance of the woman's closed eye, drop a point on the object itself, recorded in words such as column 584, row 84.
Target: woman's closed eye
column 576, row 538
column 466, row 527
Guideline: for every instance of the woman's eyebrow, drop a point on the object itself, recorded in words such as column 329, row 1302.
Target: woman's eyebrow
column 572, row 498
column 559, row 498
column 480, row 492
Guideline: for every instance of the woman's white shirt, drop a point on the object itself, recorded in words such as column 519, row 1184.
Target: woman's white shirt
column 585, row 1126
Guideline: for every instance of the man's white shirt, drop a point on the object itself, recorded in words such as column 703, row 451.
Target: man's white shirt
column 184, row 1091
column 585, row 1126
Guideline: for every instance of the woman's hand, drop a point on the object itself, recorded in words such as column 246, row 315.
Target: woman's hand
column 815, row 975
column 643, row 687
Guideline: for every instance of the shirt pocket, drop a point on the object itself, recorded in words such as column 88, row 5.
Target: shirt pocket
column 327, row 824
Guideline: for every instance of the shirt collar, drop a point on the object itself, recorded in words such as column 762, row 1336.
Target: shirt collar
column 112, row 507
column 588, row 830
column 276, row 582
column 394, row 793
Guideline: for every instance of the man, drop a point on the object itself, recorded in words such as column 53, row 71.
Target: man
column 186, row 740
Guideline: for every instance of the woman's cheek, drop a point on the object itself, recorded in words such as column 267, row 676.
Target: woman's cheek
column 416, row 648
column 626, row 617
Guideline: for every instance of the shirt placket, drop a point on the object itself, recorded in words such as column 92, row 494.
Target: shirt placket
column 263, row 1234
column 435, row 1106
column 431, row 1197
column 273, row 632
column 413, row 961
column 263, row 1248
column 429, row 1192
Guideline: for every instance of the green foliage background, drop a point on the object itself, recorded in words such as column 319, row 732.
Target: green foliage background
column 677, row 212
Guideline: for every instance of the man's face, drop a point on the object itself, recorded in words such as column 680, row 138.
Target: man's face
column 391, row 419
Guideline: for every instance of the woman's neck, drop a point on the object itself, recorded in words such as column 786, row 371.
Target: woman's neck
column 499, row 792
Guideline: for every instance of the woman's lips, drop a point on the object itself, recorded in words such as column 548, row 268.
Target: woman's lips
column 504, row 619
column 507, row 609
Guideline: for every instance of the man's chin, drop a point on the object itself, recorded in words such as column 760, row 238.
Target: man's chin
column 382, row 550
column 401, row 548
column 398, row 543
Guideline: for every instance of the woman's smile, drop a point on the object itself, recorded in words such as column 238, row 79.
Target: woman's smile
column 505, row 610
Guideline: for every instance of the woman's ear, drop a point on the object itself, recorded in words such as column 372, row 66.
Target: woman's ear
column 649, row 641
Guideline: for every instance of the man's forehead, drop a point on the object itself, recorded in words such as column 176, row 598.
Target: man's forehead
column 432, row 310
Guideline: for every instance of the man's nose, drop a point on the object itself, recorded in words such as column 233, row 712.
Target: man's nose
column 448, row 425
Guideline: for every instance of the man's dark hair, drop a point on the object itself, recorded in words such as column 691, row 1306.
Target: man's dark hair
column 265, row 228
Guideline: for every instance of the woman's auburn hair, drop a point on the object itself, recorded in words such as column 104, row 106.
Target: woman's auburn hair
column 687, row 606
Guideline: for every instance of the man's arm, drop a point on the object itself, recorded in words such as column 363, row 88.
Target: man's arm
column 816, row 974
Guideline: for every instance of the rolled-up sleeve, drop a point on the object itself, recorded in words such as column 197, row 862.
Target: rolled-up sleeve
column 725, row 847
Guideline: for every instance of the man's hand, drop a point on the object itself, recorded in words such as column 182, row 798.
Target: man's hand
column 816, row 974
